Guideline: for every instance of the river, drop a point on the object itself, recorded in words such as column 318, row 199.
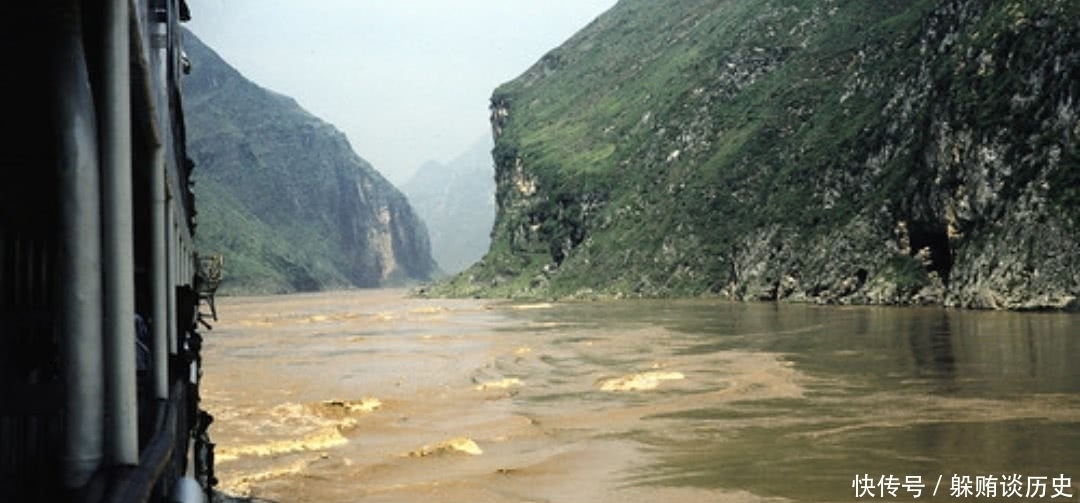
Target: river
column 377, row 397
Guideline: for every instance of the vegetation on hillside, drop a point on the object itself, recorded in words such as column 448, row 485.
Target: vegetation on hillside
column 283, row 197
column 836, row 151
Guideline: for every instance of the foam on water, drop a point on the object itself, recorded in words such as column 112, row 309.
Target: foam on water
column 640, row 382
column 508, row 382
column 547, row 402
column 462, row 445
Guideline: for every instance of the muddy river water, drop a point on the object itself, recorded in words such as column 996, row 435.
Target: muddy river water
column 374, row 396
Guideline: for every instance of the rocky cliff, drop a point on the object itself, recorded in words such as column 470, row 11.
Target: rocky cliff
column 283, row 196
column 457, row 202
column 858, row 151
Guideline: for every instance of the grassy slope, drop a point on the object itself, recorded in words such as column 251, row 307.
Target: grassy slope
column 663, row 134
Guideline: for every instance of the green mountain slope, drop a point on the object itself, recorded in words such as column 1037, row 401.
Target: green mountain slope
column 860, row 151
column 282, row 195
column 457, row 202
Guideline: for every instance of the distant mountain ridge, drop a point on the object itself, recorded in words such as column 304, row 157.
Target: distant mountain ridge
column 838, row 151
column 457, row 202
column 283, row 196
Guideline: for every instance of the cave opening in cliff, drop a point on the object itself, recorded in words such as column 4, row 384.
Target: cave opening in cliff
column 930, row 243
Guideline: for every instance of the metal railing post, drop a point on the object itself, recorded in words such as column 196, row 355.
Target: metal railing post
column 80, row 315
column 118, row 243
column 159, row 219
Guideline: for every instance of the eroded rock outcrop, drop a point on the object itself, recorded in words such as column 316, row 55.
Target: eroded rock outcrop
column 848, row 152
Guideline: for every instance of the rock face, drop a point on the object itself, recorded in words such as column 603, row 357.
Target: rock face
column 837, row 151
column 457, row 202
column 283, row 196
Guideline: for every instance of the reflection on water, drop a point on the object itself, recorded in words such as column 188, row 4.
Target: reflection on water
column 367, row 396
column 932, row 348
column 890, row 391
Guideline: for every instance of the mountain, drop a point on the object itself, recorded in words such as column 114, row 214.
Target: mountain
column 457, row 202
column 836, row 151
column 283, row 196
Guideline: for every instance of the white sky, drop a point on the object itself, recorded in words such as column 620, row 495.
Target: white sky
column 407, row 80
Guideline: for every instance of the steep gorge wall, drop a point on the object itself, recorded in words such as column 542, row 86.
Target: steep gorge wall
column 283, row 196
column 457, row 202
column 844, row 151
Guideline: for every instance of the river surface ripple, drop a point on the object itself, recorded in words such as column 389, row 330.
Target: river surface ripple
column 373, row 396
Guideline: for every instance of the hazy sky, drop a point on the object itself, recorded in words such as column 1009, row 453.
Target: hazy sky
column 406, row 80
